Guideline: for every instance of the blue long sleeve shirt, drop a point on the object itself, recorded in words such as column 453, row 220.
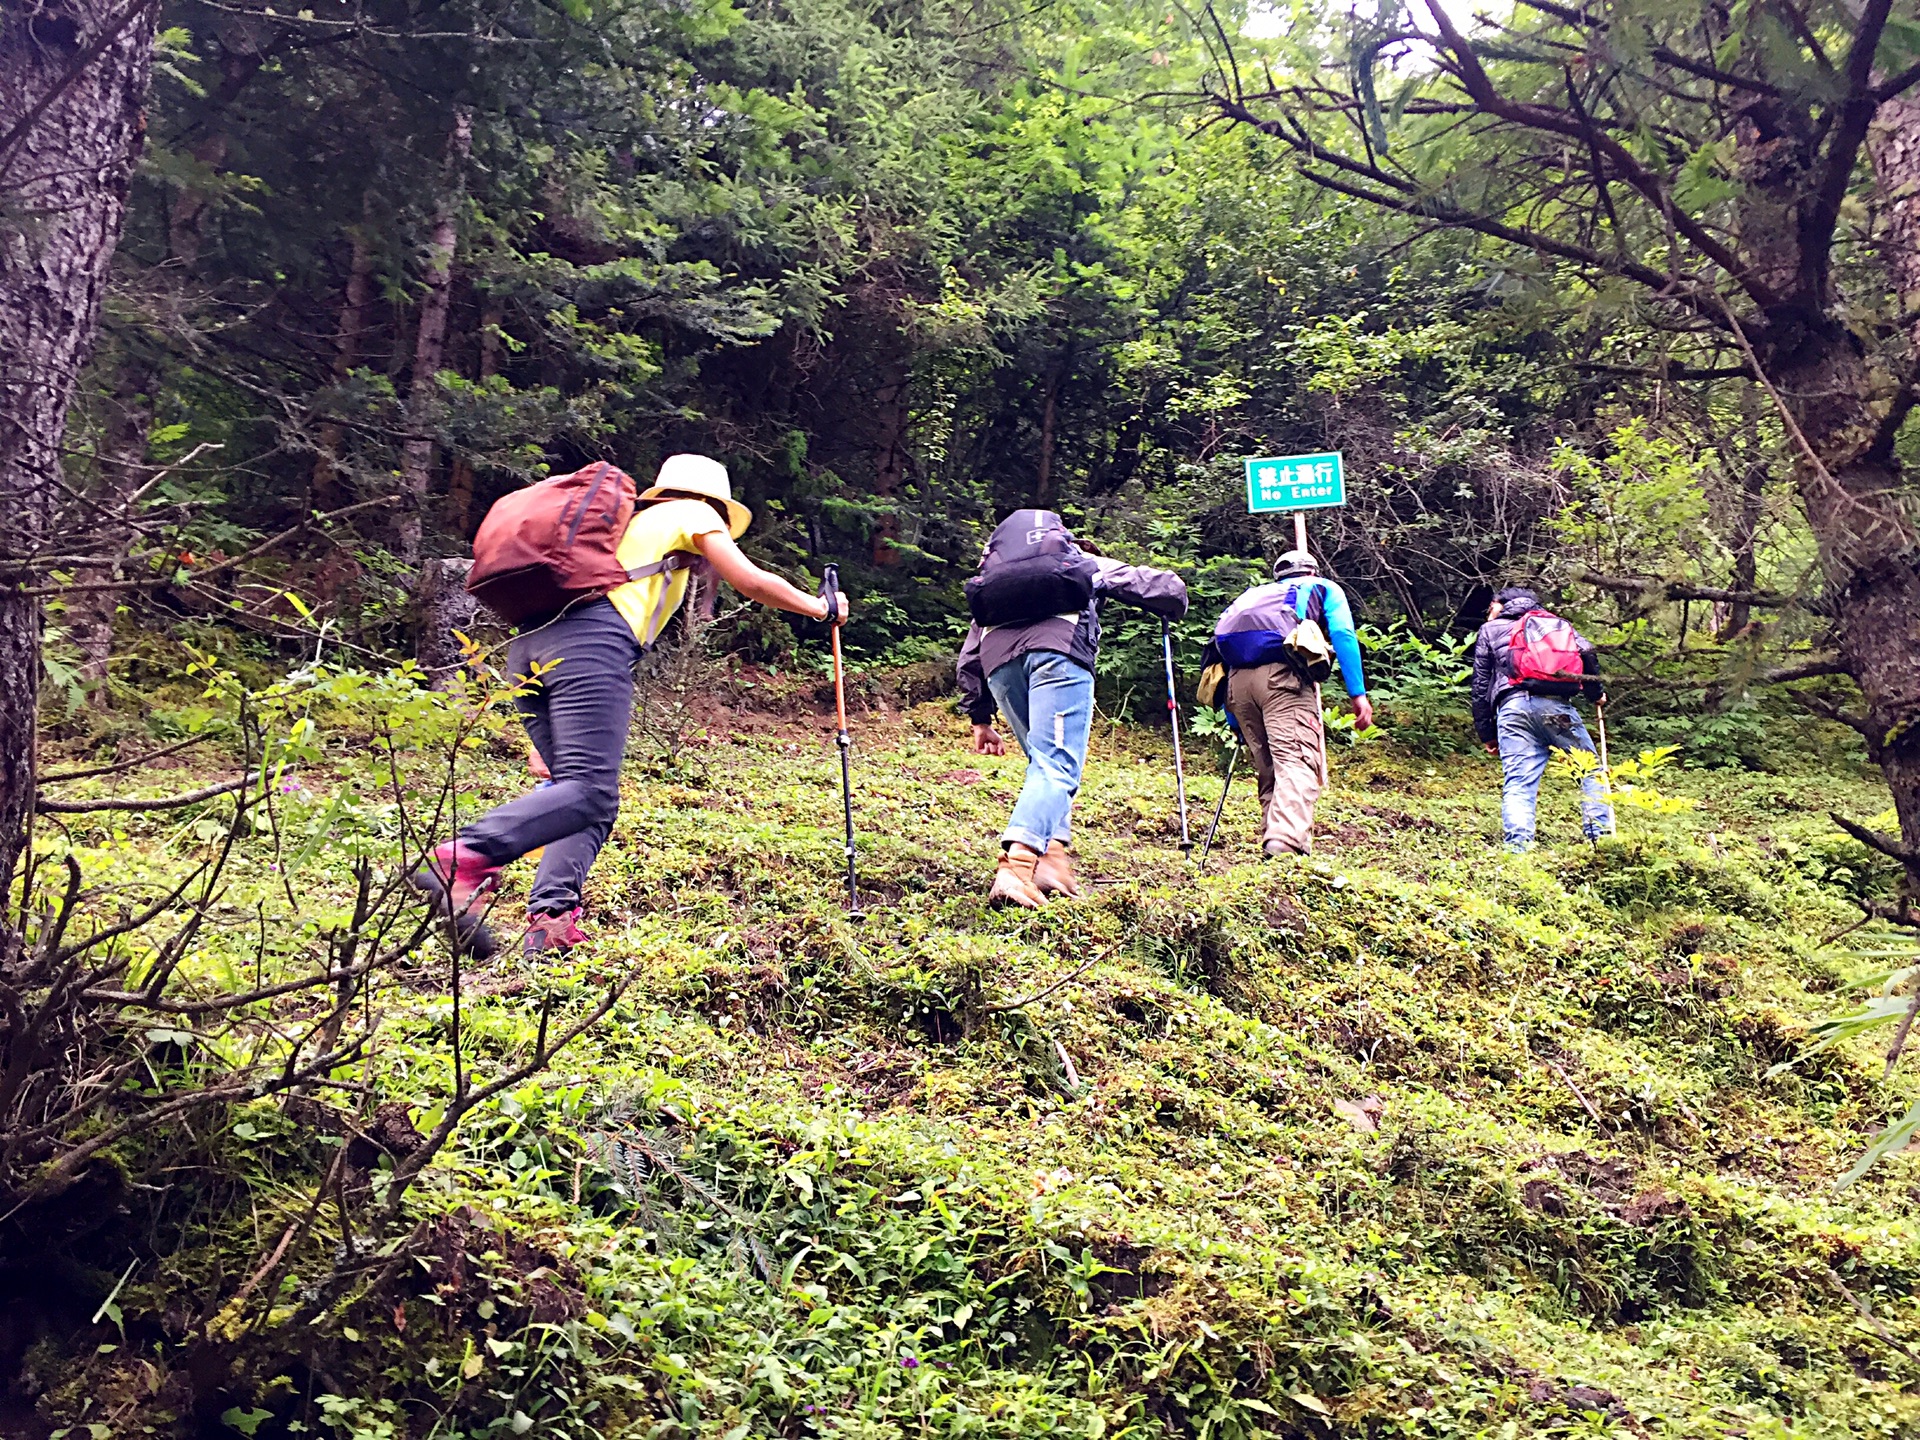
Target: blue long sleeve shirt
column 1340, row 632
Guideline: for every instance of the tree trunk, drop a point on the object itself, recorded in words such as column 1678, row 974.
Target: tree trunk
column 444, row 606
column 1868, row 551
column 122, row 469
column 1745, row 537
column 460, row 478
column 430, row 343
column 325, row 485
column 1893, row 144
column 73, row 78
column 1049, row 410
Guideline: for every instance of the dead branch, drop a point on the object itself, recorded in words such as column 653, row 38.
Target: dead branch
column 159, row 802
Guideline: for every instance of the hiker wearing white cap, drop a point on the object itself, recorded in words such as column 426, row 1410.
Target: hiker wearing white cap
column 575, row 650
column 1278, row 642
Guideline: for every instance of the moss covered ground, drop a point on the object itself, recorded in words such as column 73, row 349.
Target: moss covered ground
column 1410, row 1138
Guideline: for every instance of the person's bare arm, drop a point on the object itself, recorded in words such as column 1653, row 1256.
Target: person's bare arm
column 757, row 584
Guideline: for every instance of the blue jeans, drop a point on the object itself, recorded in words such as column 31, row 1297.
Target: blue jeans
column 1531, row 727
column 1048, row 702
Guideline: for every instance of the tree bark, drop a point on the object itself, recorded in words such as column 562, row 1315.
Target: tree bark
column 1851, row 489
column 444, row 606
column 1745, row 537
column 460, row 477
column 1049, row 411
column 73, row 78
column 325, row 486
column 1893, row 145
column 430, row 343
column 1868, row 549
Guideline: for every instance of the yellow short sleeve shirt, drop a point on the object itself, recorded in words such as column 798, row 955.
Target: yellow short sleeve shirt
column 659, row 528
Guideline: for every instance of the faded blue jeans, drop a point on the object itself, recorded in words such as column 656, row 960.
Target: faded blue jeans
column 1531, row 727
column 1048, row 702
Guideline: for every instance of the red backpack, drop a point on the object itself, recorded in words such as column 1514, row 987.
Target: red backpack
column 542, row 548
column 1545, row 647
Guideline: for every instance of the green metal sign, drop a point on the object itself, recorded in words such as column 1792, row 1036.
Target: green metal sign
column 1295, row 482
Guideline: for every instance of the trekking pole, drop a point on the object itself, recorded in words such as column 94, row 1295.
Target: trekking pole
column 830, row 592
column 1233, row 758
column 1606, row 771
column 1173, row 713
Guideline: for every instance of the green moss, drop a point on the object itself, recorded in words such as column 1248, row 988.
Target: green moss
column 1408, row 1139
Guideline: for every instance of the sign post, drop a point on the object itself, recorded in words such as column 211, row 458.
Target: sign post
column 1296, row 483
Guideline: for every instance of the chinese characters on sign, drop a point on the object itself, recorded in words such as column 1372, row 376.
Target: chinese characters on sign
column 1295, row 482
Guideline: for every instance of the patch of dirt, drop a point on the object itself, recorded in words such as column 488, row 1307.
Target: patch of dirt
column 1335, row 838
column 1132, row 1276
column 1397, row 819
column 1611, row 1184
column 468, row 1263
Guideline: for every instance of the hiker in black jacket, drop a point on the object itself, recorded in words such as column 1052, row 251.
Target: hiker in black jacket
column 1525, row 718
column 1036, row 669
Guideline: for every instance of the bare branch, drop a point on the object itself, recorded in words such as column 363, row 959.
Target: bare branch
column 146, row 759
column 1652, row 588
column 205, row 572
column 1548, row 119
column 1059, row 984
column 460, row 1104
column 1890, row 846
column 161, row 802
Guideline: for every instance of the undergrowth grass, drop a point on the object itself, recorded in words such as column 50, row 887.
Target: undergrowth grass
column 1408, row 1138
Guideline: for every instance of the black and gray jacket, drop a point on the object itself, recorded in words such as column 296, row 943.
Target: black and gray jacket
column 1160, row 592
column 1493, row 679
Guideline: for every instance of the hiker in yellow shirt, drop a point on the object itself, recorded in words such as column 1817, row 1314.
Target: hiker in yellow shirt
column 578, row 708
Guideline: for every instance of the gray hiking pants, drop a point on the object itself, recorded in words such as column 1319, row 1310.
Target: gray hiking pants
column 577, row 716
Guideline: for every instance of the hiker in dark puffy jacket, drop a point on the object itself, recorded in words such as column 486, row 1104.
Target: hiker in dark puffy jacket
column 1038, row 673
column 1525, row 721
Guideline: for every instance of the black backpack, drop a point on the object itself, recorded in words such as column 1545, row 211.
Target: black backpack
column 1032, row 569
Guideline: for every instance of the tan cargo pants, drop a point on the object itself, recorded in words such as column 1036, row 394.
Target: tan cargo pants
column 1279, row 717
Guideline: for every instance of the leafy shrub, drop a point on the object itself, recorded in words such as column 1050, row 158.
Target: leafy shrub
column 1644, row 873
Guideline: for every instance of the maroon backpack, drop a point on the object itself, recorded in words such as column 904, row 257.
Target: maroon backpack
column 542, row 548
column 1542, row 646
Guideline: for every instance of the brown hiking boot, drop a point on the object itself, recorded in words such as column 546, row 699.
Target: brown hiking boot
column 1053, row 872
column 1013, row 880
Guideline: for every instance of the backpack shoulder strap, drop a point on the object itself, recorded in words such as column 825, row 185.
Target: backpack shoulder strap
column 1316, row 610
column 666, row 565
column 1317, row 605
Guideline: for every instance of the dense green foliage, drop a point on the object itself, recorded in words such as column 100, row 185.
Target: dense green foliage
column 901, row 268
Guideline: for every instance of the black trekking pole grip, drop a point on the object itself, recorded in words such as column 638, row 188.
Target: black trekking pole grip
column 830, row 593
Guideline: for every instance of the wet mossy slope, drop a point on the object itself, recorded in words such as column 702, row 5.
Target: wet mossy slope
column 1408, row 1139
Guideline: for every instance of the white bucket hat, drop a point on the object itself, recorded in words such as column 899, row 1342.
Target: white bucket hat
column 699, row 475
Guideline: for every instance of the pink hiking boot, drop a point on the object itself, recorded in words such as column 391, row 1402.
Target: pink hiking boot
column 456, row 879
